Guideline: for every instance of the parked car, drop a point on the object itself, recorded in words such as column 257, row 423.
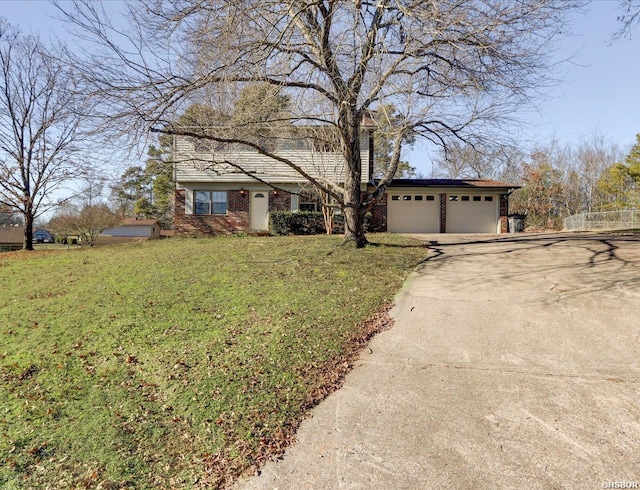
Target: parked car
column 43, row 236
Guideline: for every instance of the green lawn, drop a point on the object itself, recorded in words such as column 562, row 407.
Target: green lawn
column 178, row 363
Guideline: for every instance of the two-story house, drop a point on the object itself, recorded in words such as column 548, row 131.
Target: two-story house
column 230, row 187
column 225, row 188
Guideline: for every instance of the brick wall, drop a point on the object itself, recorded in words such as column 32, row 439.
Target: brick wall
column 443, row 213
column 279, row 201
column 504, row 213
column 378, row 221
column 236, row 219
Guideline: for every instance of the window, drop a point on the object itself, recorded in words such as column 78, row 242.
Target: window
column 310, row 203
column 465, row 198
column 477, row 198
column 324, row 146
column 266, row 143
column 417, row 198
column 292, row 143
column 210, row 202
column 406, row 198
column 488, row 198
column 207, row 146
column 453, row 198
column 431, row 198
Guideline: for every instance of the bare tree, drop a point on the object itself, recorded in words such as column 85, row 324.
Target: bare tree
column 454, row 71
column 593, row 156
column 8, row 217
column 86, row 222
column 464, row 161
column 91, row 187
column 629, row 17
column 39, row 128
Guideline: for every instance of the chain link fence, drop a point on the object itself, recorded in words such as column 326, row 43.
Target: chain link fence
column 606, row 220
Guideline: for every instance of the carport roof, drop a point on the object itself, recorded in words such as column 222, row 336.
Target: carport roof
column 458, row 183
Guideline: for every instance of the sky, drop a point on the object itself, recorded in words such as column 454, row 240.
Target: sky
column 599, row 93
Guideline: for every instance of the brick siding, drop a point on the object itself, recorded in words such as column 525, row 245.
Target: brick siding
column 279, row 201
column 236, row 219
column 443, row 213
column 378, row 223
column 504, row 213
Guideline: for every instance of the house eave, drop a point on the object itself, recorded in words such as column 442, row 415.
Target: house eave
column 469, row 184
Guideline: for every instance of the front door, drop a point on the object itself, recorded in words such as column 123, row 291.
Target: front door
column 259, row 211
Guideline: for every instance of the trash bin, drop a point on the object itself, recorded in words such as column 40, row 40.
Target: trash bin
column 516, row 223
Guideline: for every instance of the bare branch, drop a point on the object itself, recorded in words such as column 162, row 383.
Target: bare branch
column 40, row 128
column 456, row 71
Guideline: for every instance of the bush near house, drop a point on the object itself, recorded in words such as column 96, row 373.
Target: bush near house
column 301, row 223
column 305, row 223
column 179, row 363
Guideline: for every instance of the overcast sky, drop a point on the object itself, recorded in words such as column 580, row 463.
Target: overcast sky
column 600, row 91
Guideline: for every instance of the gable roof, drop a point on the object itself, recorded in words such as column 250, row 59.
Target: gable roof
column 11, row 234
column 138, row 222
column 468, row 183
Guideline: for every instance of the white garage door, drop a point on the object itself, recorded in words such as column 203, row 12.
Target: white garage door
column 413, row 213
column 472, row 213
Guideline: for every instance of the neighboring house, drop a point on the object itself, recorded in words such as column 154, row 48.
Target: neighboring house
column 135, row 229
column 43, row 236
column 11, row 238
column 221, row 198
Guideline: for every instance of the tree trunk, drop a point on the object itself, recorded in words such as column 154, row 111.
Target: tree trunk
column 27, row 243
column 349, row 125
column 354, row 226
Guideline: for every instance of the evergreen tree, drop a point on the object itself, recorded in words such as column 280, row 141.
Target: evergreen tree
column 632, row 160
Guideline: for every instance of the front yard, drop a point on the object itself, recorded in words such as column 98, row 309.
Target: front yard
column 178, row 363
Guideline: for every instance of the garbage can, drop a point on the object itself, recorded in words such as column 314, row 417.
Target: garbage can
column 516, row 223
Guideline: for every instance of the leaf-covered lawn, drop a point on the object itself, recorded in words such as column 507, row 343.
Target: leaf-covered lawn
column 179, row 363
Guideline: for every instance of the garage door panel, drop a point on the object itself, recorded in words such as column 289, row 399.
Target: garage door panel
column 408, row 215
column 472, row 215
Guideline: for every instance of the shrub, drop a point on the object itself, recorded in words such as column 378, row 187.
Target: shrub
column 306, row 223
column 301, row 223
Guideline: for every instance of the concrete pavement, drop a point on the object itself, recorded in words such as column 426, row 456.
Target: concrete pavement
column 514, row 363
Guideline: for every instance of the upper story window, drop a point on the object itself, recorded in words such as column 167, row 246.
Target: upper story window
column 325, row 145
column 265, row 143
column 292, row 144
column 210, row 202
column 207, row 146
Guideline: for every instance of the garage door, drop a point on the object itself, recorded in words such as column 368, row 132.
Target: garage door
column 413, row 213
column 472, row 213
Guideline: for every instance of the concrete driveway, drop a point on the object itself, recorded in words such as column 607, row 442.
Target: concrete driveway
column 514, row 363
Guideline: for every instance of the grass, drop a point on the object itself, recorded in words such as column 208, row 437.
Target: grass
column 179, row 363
